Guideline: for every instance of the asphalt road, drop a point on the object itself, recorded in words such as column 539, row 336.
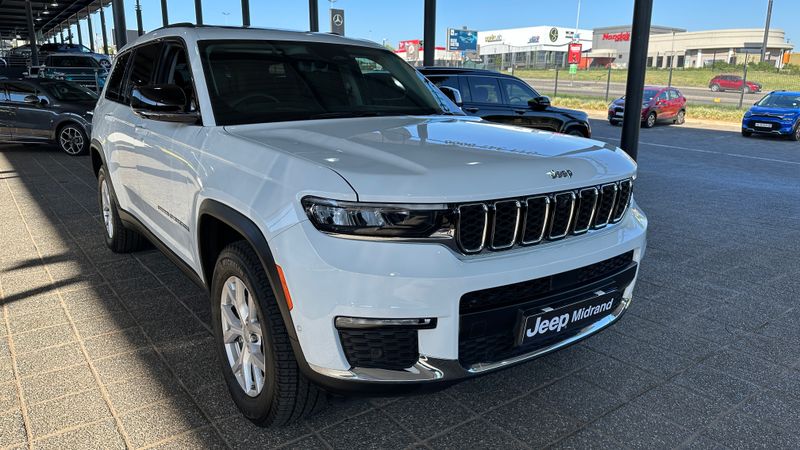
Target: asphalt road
column 616, row 90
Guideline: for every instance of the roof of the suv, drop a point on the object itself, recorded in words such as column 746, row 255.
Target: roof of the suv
column 193, row 33
column 461, row 71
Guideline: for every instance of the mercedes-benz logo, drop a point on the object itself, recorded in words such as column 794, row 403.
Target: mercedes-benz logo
column 338, row 20
column 553, row 34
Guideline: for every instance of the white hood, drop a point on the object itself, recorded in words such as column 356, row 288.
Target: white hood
column 442, row 158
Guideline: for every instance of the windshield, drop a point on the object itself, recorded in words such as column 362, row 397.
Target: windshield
column 648, row 95
column 780, row 101
column 270, row 81
column 65, row 91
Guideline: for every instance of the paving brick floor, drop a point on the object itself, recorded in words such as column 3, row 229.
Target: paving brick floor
column 104, row 350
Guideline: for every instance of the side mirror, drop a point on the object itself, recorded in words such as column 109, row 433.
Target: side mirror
column 539, row 103
column 31, row 99
column 453, row 94
column 165, row 102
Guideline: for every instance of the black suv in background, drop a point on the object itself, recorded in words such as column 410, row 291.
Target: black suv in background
column 502, row 98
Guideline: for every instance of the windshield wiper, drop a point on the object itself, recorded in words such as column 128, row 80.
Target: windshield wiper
column 334, row 115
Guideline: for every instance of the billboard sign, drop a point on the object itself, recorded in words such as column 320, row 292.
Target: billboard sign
column 462, row 40
column 337, row 21
column 411, row 48
column 574, row 55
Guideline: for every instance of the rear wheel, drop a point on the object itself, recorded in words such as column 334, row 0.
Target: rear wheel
column 258, row 362
column 715, row 88
column 576, row 132
column 614, row 122
column 747, row 90
column 118, row 238
column 72, row 139
column 650, row 121
column 680, row 118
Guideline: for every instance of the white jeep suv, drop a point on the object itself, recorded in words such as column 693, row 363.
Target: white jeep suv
column 354, row 230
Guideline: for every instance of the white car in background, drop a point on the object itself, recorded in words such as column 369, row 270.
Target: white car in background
column 355, row 231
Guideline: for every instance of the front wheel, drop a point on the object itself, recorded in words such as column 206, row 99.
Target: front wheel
column 715, row 88
column 680, row 119
column 650, row 121
column 795, row 136
column 72, row 139
column 257, row 359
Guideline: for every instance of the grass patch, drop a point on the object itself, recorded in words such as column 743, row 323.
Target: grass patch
column 720, row 113
column 770, row 80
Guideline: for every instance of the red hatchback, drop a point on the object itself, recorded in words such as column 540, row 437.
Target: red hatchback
column 732, row 83
column 659, row 104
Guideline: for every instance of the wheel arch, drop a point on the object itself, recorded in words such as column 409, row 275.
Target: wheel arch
column 98, row 158
column 217, row 226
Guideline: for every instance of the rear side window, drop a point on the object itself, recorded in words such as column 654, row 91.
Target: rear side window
column 673, row 94
column 116, row 81
column 484, row 90
column 448, row 81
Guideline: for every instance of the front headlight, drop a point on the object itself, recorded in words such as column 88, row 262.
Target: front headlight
column 379, row 220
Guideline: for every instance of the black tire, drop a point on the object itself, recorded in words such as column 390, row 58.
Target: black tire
column 118, row 238
column 286, row 395
column 575, row 132
column 680, row 118
column 715, row 88
column 746, row 133
column 795, row 136
column 72, row 140
column 650, row 121
column 614, row 123
column 747, row 90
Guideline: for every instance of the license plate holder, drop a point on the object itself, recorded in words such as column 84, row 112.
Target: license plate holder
column 763, row 125
column 537, row 325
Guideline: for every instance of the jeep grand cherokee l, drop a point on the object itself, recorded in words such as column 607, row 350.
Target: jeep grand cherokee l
column 354, row 231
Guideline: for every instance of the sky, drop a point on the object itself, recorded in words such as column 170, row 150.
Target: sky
column 392, row 21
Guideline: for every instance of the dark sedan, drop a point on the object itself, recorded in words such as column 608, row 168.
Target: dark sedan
column 502, row 98
column 46, row 111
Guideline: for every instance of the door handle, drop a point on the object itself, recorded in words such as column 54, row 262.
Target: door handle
column 471, row 109
column 520, row 111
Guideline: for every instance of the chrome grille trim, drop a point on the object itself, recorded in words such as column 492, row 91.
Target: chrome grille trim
column 494, row 225
column 485, row 227
column 582, row 197
column 538, row 239
column 555, row 211
column 559, row 211
column 601, row 222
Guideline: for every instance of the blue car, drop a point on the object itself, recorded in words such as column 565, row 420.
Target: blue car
column 777, row 113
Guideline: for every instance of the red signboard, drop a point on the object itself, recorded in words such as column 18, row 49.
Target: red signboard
column 624, row 36
column 574, row 55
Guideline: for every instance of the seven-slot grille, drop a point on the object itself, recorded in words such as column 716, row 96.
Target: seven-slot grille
column 502, row 224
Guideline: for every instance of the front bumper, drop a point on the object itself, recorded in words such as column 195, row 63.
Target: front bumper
column 777, row 126
column 330, row 277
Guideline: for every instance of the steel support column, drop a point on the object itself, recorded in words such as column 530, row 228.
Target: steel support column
column 245, row 13
column 164, row 13
column 91, row 31
column 429, row 33
column 313, row 15
column 103, row 28
column 78, row 27
column 31, row 34
column 637, row 67
column 198, row 11
column 139, row 26
column 120, row 35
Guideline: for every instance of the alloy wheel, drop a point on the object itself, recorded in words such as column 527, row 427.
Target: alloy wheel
column 242, row 336
column 651, row 120
column 71, row 140
column 108, row 218
column 681, row 118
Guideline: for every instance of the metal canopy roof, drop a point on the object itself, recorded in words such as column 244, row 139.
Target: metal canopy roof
column 51, row 15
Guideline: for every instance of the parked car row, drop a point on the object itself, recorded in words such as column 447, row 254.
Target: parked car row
column 21, row 55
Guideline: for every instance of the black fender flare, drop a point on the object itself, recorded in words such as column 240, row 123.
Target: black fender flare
column 253, row 235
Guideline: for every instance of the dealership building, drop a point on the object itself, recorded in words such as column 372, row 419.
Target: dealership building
column 611, row 46
column 539, row 46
